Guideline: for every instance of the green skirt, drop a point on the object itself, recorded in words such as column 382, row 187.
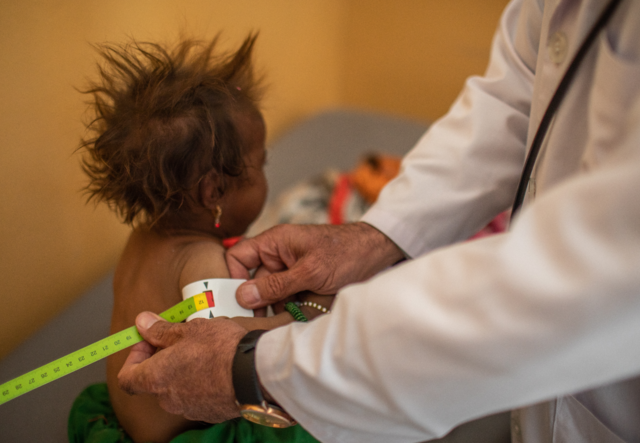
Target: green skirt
column 92, row 420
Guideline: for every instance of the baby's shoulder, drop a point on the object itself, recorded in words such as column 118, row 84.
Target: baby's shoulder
column 202, row 259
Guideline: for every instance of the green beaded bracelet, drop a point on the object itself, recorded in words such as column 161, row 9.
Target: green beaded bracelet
column 293, row 309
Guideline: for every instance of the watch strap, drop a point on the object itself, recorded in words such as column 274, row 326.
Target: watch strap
column 244, row 375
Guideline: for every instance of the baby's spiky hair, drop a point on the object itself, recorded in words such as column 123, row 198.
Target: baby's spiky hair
column 163, row 120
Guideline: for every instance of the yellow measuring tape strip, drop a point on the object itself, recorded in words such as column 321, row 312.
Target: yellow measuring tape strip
column 94, row 352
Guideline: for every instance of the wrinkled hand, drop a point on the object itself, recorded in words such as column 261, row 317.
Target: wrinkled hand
column 190, row 373
column 319, row 258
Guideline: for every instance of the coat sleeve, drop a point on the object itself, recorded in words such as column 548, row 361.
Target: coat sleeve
column 465, row 169
column 549, row 309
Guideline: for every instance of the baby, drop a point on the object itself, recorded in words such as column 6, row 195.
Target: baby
column 178, row 153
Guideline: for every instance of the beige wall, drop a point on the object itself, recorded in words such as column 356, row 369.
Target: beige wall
column 404, row 57
column 411, row 57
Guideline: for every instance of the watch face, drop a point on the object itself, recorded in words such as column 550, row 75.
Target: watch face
column 271, row 417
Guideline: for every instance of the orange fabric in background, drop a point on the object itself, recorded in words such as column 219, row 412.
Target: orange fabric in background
column 367, row 179
column 370, row 176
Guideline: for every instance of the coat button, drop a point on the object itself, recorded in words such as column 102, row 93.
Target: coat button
column 557, row 47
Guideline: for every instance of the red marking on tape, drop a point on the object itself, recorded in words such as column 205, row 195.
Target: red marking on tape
column 209, row 294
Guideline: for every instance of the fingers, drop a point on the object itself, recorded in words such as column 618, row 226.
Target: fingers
column 242, row 257
column 262, row 272
column 268, row 290
column 320, row 258
column 260, row 312
column 131, row 377
column 265, row 250
column 157, row 331
column 140, row 352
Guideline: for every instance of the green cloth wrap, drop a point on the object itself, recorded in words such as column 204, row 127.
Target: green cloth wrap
column 92, row 420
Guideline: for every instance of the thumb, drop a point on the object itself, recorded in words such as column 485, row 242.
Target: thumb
column 156, row 330
column 264, row 291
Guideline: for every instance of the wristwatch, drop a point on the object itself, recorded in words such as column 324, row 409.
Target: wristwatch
column 249, row 398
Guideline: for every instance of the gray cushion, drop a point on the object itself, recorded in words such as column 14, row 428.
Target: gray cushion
column 41, row 415
column 335, row 139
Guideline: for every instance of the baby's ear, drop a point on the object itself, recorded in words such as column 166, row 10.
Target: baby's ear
column 209, row 190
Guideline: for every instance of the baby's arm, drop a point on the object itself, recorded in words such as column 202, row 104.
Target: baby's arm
column 140, row 415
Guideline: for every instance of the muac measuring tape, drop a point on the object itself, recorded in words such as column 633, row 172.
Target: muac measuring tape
column 96, row 351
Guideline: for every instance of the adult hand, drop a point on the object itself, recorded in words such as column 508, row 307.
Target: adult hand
column 319, row 258
column 187, row 366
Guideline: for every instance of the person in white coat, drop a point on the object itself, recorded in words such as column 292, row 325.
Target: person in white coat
column 543, row 320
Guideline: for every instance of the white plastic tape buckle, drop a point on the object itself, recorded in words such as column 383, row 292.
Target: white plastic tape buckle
column 219, row 293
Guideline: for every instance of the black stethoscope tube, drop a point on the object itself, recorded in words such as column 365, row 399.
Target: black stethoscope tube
column 555, row 103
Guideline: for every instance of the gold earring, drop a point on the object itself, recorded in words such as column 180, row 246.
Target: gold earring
column 218, row 215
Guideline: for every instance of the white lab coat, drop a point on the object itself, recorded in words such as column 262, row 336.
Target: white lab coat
column 550, row 309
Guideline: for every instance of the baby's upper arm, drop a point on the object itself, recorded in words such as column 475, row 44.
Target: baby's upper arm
column 203, row 260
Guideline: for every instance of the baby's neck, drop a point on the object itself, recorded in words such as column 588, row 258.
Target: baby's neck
column 183, row 226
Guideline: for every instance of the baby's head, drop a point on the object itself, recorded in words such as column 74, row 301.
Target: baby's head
column 177, row 134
